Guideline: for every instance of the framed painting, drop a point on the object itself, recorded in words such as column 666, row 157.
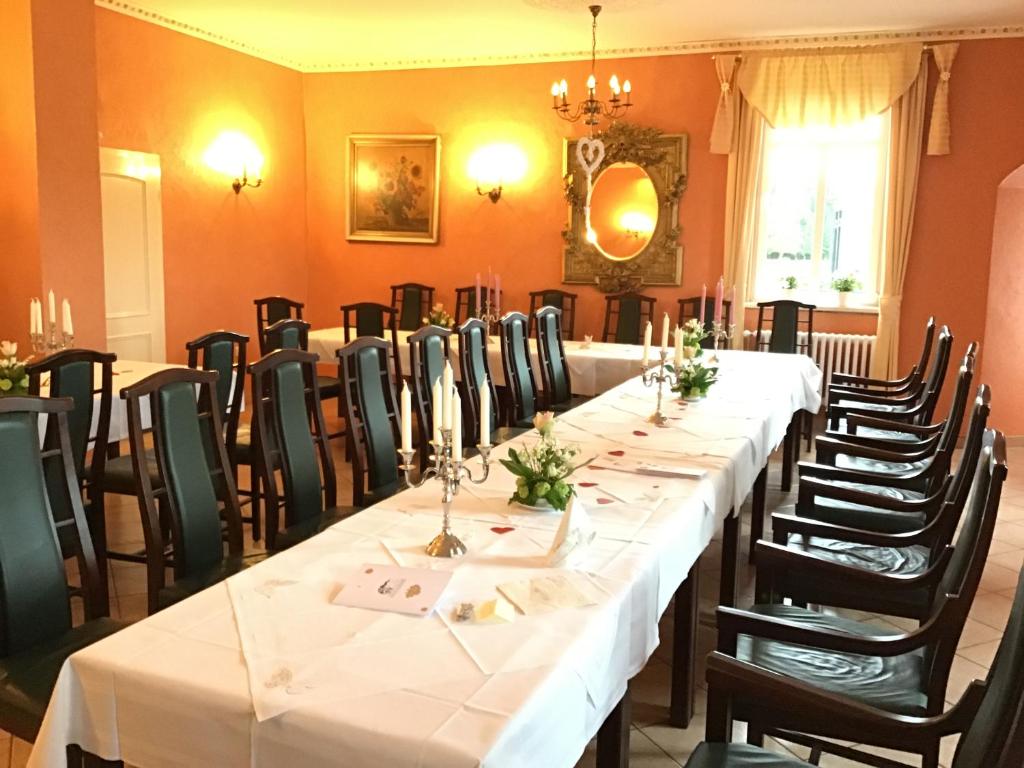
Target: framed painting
column 393, row 188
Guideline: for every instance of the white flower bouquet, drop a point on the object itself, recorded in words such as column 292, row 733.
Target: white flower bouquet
column 541, row 471
column 13, row 379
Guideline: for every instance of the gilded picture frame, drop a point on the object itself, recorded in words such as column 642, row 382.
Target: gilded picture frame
column 393, row 188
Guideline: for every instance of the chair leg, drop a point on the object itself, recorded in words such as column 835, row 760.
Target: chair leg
column 757, row 510
column 254, row 484
column 787, row 457
column 730, row 559
column 97, row 521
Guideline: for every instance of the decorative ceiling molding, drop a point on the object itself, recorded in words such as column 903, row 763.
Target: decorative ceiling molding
column 672, row 49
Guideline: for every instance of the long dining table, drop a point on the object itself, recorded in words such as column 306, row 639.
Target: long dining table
column 594, row 366
column 266, row 669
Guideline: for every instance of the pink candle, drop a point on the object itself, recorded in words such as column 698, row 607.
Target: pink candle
column 497, row 294
column 732, row 298
column 703, row 301
column 479, row 306
column 719, row 288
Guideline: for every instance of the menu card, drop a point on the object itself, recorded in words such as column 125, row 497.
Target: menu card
column 647, row 468
column 549, row 593
column 415, row 591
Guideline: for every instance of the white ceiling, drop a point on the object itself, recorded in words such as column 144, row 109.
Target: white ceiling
column 336, row 35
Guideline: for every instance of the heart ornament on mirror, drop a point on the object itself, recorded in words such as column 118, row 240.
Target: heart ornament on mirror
column 589, row 154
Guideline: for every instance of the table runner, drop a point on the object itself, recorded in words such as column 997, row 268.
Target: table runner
column 336, row 684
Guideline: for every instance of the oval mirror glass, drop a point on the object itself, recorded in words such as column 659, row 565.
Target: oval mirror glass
column 623, row 210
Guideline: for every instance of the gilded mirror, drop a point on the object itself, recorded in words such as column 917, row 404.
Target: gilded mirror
column 634, row 211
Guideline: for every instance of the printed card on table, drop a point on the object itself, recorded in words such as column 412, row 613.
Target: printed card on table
column 549, row 593
column 415, row 591
column 621, row 464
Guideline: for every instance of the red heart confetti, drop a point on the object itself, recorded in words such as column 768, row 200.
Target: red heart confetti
column 587, row 485
column 605, row 501
column 638, row 433
column 502, row 529
column 616, row 453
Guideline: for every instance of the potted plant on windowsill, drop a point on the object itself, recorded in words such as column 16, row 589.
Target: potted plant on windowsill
column 844, row 286
column 789, row 286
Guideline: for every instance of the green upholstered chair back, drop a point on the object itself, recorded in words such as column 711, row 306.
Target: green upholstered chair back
column 273, row 309
column 286, row 334
column 223, row 352
column 196, row 487
column 515, row 360
column 429, row 349
column 786, row 320
column 372, row 415
column 995, row 738
column 291, row 435
column 412, row 301
column 559, row 299
column 474, row 369
column 86, row 377
column 625, row 317
column 689, row 309
column 373, row 320
column 554, row 370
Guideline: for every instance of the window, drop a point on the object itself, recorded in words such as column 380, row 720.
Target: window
column 821, row 210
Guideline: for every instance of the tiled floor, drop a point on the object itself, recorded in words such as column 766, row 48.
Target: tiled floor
column 654, row 743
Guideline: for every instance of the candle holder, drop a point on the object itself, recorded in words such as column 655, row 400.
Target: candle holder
column 38, row 342
column 658, row 374
column 490, row 315
column 721, row 333
column 50, row 341
column 449, row 469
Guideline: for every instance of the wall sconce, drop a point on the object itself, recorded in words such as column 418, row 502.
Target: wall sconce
column 236, row 155
column 495, row 165
column 636, row 224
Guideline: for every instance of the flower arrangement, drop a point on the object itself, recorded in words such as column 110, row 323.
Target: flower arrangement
column 694, row 333
column 789, row 283
column 847, row 284
column 694, row 379
column 438, row 316
column 399, row 187
column 13, row 379
column 541, row 471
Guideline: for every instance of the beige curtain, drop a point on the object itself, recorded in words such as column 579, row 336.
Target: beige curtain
column 742, row 200
column 905, row 144
column 938, row 129
column 834, row 86
column 722, row 129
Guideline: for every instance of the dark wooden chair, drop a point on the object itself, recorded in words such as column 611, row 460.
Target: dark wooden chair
column 412, row 302
column 625, row 315
column 465, row 302
column 225, row 353
column 270, row 310
column 916, row 407
column 290, row 436
column 553, row 297
column 847, row 383
column 372, row 415
column 554, row 370
column 196, row 495
column 516, row 362
column 689, row 309
column 37, row 633
column 989, row 715
column 86, row 377
column 429, row 350
column 869, row 532
column 902, row 674
column 379, row 320
column 474, row 369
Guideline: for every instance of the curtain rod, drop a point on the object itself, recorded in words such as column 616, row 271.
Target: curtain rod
column 739, row 56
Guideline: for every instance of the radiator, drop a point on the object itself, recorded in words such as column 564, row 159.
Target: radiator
column 833, row 352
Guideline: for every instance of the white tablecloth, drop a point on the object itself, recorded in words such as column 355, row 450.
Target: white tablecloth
column 264, row 671
column 594, row 367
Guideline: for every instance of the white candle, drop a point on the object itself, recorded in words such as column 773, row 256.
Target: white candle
column 664, row 334
column 436, row 406
column 485, row 413
column 457, row 427
column 66, row 323
column 647, row 343
column 479, row 306
column 53, row 308
column 497, row 294
column 39, row 316
column 32, row 316
column 679, row 347
column 406, row 418
column 447, row 386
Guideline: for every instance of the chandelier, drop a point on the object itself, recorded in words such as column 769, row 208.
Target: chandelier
column 592, row 109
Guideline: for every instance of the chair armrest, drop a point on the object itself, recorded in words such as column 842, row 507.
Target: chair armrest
column 826, row 453
column 785, row 525
column 834, row 446
column 812, row 488
column 850, row 379
column 906, row 480
column 864, row 420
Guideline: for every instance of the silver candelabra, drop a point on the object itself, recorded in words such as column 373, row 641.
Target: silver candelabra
column 450, row 470
column 490, row 315
column 721, row 333
column 48, row 342
column 659, row 374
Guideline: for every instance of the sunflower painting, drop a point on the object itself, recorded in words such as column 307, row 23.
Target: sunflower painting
column 393, row 188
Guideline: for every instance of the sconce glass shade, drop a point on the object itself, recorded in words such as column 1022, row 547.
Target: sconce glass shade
column 235, row 155
column 493, row 166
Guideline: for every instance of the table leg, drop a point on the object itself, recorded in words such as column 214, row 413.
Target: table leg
column 684, row 649
column 613, row 738
column 787, row 453
column 730, row 559
column 757, row 510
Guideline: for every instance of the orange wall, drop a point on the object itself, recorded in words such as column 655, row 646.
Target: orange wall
column 1004, row 336
column 170, row 94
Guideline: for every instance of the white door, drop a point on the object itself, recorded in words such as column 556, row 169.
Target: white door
column 133, row 258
